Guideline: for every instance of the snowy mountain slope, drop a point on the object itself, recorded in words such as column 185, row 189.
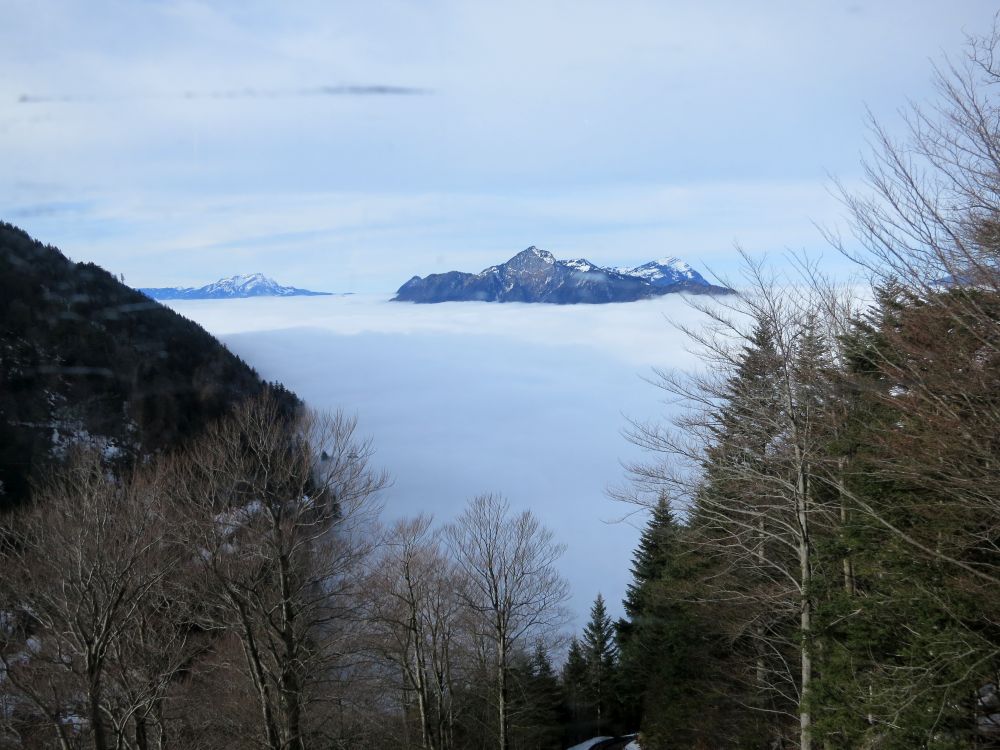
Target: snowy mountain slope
column 666, row 271
column 535, row 275
column 235, row 287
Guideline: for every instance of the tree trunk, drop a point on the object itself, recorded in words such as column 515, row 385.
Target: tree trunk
column 141, row 733
column 249, row 642
column 63, row 735
column 419, row 664
column 162, row 741
column 447, row 717
column 847, row 563
column 502, row 693
column 95, row 713
column 291, row 683
column 758, row 627
column 420, row 683
column 805, row 605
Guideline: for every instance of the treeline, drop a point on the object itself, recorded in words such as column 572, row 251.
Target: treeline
column 821, row 566
column 241, row 593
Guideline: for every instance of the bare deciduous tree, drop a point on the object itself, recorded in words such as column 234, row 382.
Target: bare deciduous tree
column 276, row 513
column 85, row 566
column 513, row 589
column 418, row 622
column 746, row 454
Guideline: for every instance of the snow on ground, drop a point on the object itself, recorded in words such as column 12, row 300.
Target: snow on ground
column 469, row 397
column 589, row 743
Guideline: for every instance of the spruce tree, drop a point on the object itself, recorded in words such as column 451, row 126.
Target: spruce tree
column 650, row 558
column 540, row 724
column 600, row 652
column 640, row 633
column 576, row 696
column 907, row 638
column 751, row 520
column 675, row 673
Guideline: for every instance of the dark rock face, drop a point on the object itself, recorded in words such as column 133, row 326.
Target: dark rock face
column 534, row 275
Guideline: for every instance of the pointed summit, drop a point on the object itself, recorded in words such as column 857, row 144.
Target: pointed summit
column 531, row 258
column 539, row 252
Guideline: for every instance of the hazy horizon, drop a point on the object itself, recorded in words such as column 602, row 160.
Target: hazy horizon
column 353, row 147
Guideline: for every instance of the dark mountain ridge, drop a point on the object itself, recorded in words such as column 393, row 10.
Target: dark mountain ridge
column 534, row 275
column 85, row 358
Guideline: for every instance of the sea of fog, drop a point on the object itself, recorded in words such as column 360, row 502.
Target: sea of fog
column 463, row 398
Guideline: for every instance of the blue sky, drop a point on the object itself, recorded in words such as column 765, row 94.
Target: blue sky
column 177, row 142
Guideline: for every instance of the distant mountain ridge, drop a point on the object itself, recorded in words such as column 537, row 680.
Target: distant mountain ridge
column 535, row 275
column 235, row 287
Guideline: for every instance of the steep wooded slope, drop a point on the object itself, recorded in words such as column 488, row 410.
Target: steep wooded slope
column 84, row 357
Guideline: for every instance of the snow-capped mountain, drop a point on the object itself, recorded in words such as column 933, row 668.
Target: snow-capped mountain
column 235, row 287
column 665, row 272
column 535, row 275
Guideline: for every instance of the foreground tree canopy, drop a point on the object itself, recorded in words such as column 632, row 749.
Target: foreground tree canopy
column 835, row 577
column 241, row 593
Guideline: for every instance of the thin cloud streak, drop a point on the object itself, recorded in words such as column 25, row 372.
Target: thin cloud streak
column 245, row 93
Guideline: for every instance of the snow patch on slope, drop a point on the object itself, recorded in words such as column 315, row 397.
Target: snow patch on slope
column 234, row 287
column 587, row 744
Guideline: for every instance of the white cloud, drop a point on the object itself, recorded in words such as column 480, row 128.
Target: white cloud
column 463, row 398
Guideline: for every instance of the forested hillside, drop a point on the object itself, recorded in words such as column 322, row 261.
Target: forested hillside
column 241, row 593
column 833, row 580
column 821, row 565
column 84, row 357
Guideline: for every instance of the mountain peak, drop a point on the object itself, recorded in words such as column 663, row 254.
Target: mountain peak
column 240, row 285
column 531, row 260
column 671, row 261
column 667, row 271
column 534, row 275
column 535, row 252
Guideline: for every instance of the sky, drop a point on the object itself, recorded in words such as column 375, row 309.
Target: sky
column 350, row 146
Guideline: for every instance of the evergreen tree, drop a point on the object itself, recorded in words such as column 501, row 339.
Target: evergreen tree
column 641, row 634
column 755, row 432
column 651, row 557
column 740, row 515
column 538, row 722
column 600, row 652
column 676, row 666
column 579, row 725
column 909, row 638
